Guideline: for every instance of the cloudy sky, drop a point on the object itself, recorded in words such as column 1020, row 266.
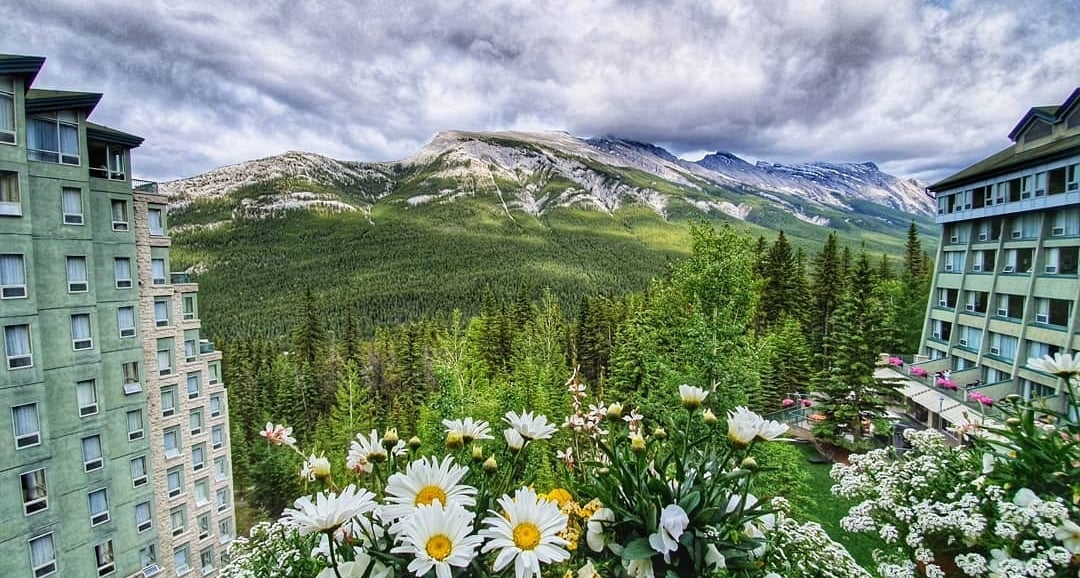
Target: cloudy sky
column 920, row 87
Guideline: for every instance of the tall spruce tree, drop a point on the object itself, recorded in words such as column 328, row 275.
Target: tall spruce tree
column 826, row 289
column 780, row 288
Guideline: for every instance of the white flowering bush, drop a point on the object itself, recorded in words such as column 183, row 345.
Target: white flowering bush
column 638, row 501
column 1006, row 505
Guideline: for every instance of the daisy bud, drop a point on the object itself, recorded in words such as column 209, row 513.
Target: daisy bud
column 490, row 465
column 710, row 417
column 1013, row 422
column 1012, row 397
column 659, row 433
column 477, row 453
column 390, row 439
column 377, row 457
column 454, row 440
column 414, row 443
column 749, row 463
column 614, row 411
column 603, row 471
column 637, row 443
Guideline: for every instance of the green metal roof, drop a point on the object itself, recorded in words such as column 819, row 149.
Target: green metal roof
column 103, row 133
column 1045, row 113
column 46, row 100
column 1008, row 160
column 18, row 65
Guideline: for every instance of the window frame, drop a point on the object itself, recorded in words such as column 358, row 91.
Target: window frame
column 122, row 283
column 7, row 92
column 38, row 569
column 138, row 480
column 31, row 506
column 6, row 290
column 73, row 219
column 36, row 435
column 10, row 194
column 130, row 387
column 177, row 491
column 148, row 523
column 164, row 278
column 96, row 463
column 135, row 434
column 76, row 285
column 131, row 330
column 82, row 342
column 29, row 347
column 90, row 408
column 62, row 157
column 125, row 223
column 102, row 517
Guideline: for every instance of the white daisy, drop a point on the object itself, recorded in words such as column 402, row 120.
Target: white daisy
column 743, row 426
column 527, row 533
column 513, row 439
column 595, row 536
column 315, row 467
column 363, row 567
column 438, row 538
column 673, row 522
column 278, row 435
column 470, row 430
column 1061, row 364
column 529, row 426
column 769, row 429
column 692, row 396
column 329, row 510
column 1069, row 534
column 423, row 483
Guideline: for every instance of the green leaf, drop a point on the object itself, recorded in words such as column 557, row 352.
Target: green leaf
column 638, row 549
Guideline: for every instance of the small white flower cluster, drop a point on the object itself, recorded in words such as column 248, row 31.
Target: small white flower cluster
column 804, row 550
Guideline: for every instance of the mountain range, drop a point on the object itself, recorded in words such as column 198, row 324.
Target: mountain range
column 475, row 215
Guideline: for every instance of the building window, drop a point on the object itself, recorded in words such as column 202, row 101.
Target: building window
column 131, row 377
column 91, row 451
column 206, row 558
column 80, row 332
column 225, row 530
column 178, row 519
column 215, row 405
column 1038, row 130
column 86, row 394
column 10, row 205
column 143, row 518
column 1061, row 261
column 106, row 161
column 24, row 421
column 198, row 457
column 193, row 385
column 168, row 401
column 76, row 275
column 138, row 472
column 103, row 554
column 71, row 206
column 17, row 346
column 195, row 420
column 35, row 492
column 217, row 437
column 157, row 271
column 161, row 312
column 1003, row 346
column 171, row 440
column 122, row 269
column 42, row 555
column 203, row 523
column 221, row 469
column 202, row 492
column 54, row 138
column 164, row 362
column 125, row 320
column 1055, row 312
column 181, row 562
column 215, row 373
column 155, row 222
column 188, row 302
column 148, row 557
column 119, row 215
column 135, row 425
column 7, row 109
column 12, row 277
column 191, row 350
column 175, row 480
column 223, row 499
column 99, row 507
column 1010, row 306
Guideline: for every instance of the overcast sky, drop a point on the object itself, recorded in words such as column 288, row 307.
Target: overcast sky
column 921, row 88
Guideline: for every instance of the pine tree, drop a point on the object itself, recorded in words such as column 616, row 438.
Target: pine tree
column 786, row 365
column 779, row 292
column 826, row 291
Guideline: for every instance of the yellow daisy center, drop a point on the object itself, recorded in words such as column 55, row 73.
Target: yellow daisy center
column 429, row 494
column 526, row 536
column 439, row 547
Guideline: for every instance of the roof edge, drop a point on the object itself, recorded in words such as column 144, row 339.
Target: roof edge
column 24, row 66
column 1031, row 115
column 81, row 100
column 111, row 135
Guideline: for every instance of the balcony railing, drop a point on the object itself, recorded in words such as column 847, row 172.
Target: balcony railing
column 206, row 346
column 141, row 186
column 180, row 278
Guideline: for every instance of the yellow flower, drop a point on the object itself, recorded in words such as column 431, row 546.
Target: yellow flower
column 559, row 496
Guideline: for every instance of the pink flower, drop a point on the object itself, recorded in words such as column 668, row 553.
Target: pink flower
column 896, row 361
column 807, row 403
column 919, row 371
column 278, row 435
column 788, row 402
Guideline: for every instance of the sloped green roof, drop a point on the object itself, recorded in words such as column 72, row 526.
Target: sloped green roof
column 1008, row 160
column 18, row 65
column 38, row 100
column 103, row 133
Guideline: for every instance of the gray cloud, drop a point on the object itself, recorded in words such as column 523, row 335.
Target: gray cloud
column 921, row 88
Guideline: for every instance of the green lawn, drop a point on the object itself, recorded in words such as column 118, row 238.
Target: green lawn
column 821, row 506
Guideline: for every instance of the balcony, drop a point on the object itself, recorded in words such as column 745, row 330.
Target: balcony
column 145, row 187
column 178, row 278
column 206, row 347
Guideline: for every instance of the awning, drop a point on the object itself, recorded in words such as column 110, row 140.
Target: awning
column 912, row 388
column 960, row 414
column 935, row 401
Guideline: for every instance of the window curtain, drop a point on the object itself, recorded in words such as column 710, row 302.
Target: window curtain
column 193, row 385
column 33, row 486
column 25, row 418
column 84, row 390
column 104, row 554
column 131, row 372
column 76, row 269
column 11, row 270
column 41, row 551
column 197, row 454
column 125, row 317
column 202, row 493
column 161, row 313
column 91, row 448
column 80, row 327
column 123, row 269
column 17, row 340
column 99, row 502
column 69, row 140
column 189, row 351
column 7, row 112
column 195, row 421
column 134, row 421
column 142, row 512
column 215, row 404
column 215, row 436
column 170, row 440
column 119, row 214
column 154, row 219
column 158, row 266
column 42, row 135
column 72, row 202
